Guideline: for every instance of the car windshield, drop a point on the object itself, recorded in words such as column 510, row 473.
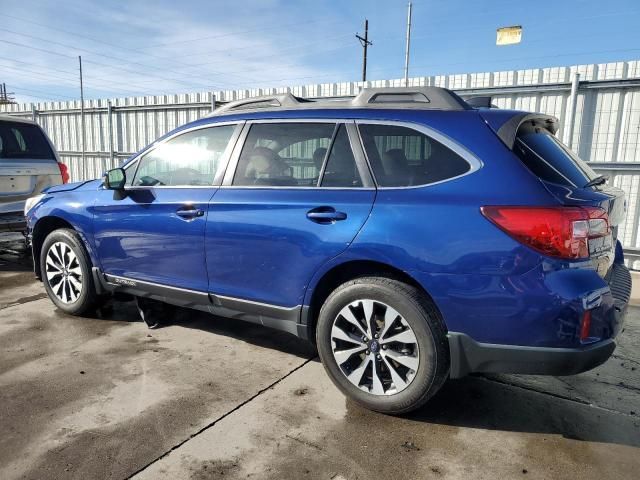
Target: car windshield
column 22, row 140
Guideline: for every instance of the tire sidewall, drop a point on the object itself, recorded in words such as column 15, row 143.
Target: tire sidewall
column 86, row 299
column 416, row 317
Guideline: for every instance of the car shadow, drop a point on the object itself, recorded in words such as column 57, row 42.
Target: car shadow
column 483, row 403
column 258, row 335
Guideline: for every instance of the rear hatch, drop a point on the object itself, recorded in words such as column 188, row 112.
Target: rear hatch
column 27, row 164
column 573, row 183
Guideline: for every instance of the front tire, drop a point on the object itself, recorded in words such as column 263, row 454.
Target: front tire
column 65, row 269
column 383, row 344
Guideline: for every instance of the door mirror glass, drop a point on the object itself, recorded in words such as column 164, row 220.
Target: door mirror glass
column 115, row 179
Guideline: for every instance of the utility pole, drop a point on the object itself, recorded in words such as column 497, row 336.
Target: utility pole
column 408, row 45
column 364, row 41
column 82, row 137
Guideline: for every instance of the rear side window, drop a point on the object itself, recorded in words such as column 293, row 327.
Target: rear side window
column 297, row 155
column 191, row 159
column 403, row 157
column 23, row 140
column 549, row 159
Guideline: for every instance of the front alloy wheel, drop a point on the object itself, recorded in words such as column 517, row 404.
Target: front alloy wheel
column 64, row 273
column 65, row 269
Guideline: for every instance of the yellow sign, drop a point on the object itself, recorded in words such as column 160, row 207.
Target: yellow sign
column 509, row 35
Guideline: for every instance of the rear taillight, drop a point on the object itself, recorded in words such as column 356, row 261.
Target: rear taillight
column 64, row 172
column 554, row 231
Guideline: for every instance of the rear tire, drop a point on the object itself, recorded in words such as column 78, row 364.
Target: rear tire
column 400, row 356
column 65, row 269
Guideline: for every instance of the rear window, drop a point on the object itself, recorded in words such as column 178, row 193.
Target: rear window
column 22, row 140
column 549, row 159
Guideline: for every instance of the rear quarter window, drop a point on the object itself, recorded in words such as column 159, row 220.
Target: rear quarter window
column 22, row 140
column 549, row 159
column 404, row 157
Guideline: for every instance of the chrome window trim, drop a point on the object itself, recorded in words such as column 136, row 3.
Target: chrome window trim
column 361, row 163
column 135, row 162
column 474, row 162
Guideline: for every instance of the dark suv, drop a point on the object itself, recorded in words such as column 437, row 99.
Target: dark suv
column 412, row 237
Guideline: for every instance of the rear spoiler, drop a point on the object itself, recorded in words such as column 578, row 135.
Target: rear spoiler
column 508, row 130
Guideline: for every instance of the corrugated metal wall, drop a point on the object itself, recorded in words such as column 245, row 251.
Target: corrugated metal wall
column 606, row 124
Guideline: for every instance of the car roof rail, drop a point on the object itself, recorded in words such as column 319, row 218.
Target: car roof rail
column 418, row 98
column 423, row 98
column 265, row 102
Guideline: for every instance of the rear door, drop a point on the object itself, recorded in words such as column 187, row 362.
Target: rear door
column 572, row 182
column 27, row 164
column 294, row 196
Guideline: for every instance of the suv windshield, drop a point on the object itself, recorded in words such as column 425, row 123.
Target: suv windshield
column 23, row 140
column 551, row 160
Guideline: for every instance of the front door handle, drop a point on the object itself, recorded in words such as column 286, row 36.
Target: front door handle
column 189, row 212
column 325, row 215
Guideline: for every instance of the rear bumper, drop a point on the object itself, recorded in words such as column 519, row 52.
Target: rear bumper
column 468, row 356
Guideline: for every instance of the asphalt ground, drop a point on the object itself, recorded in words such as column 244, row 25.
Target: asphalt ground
column 207, row 398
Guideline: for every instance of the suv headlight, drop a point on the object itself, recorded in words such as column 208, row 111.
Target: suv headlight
column 30, row 203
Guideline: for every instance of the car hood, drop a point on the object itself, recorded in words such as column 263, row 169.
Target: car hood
column 72, row 186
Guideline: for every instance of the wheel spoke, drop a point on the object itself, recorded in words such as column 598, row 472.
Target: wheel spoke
column 397, row 380
column 344, row 355
column 390, row 317
column 406, row 336
column 406, row 360
column 367, row 307
column 51, row 263
column 356, row 376
column 348, row 316
column 75, row 283
column 77, row 271
column 340, row 334
column 376, row 381
column 54, row 256
column 53, row 275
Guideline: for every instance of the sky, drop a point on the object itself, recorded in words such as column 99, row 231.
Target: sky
column 152, row 47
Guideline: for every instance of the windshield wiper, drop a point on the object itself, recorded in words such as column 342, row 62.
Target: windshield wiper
column 599, row 180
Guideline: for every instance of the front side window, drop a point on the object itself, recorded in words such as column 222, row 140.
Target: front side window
column 404, row 157
column 23, row 140
column 191, row 159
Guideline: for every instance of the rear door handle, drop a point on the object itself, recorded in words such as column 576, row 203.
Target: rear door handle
column 325, row 215
column 189, row 212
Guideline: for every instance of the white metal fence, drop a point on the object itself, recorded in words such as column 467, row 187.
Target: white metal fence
column 599, row 118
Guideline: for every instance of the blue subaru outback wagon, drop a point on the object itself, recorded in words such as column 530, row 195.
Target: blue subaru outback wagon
column 412, row 237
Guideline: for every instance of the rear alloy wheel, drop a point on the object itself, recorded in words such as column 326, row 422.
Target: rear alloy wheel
column 65, row 269
column 383, row 344
column 375, row 347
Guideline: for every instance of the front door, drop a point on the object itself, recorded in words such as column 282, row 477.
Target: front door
column 297, row 198
column 154, row 231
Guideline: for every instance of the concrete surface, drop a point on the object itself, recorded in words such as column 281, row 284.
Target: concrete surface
column 103, row 397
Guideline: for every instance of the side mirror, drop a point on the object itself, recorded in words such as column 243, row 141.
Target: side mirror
column 115, row 179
